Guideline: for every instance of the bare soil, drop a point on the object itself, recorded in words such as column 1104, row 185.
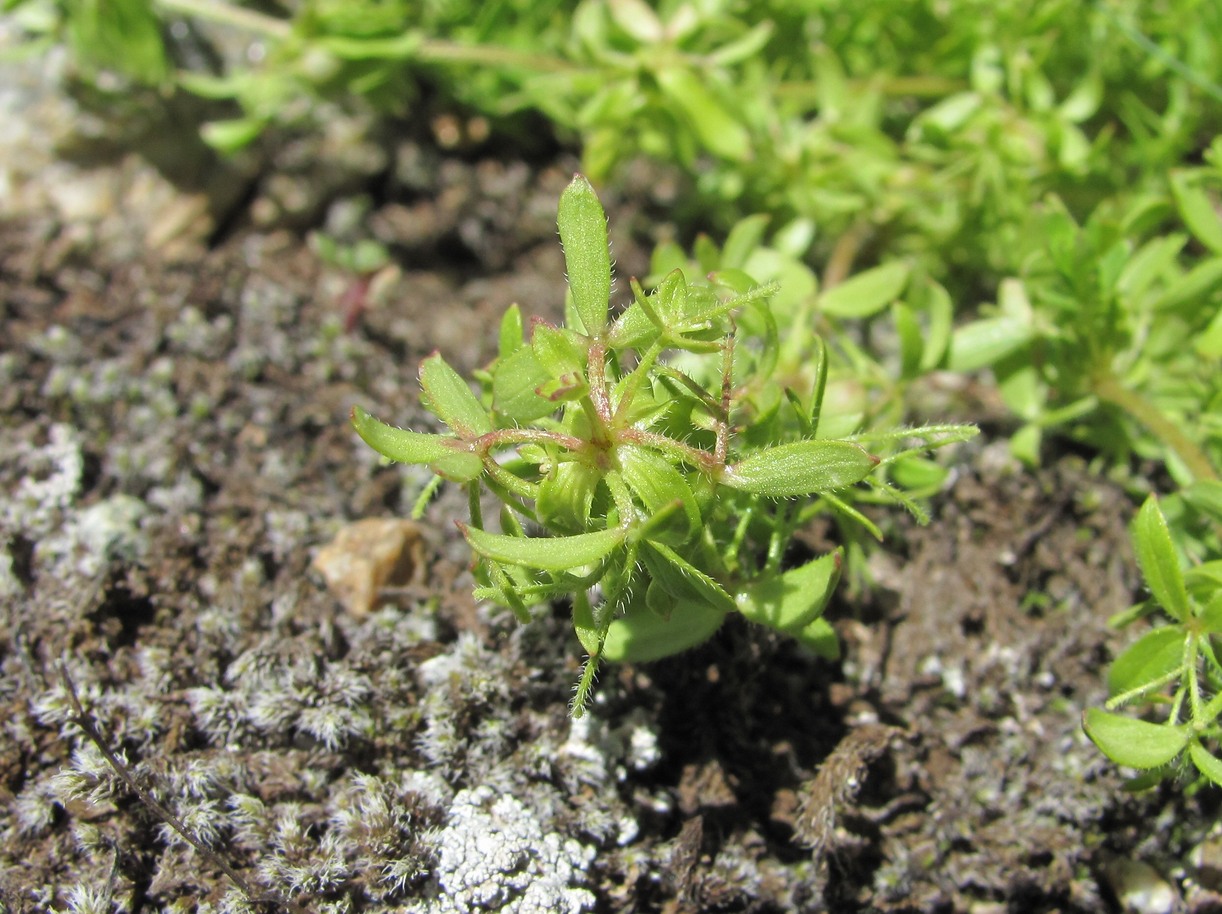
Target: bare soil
column 173, row 451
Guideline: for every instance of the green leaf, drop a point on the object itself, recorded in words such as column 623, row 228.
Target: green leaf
column 555, row 553
column 405, row 446
column 911, row 344
column 511, row 337
column 1150, row 262
column 1159, row 563
column 559, row 351
column 1132, row 742
column 1208, row 342
column 121, row 34
column 516, row 380
column 1207, row 763
column 744, row 238
column 1211, row 614
column 711, row 121
column 670, row 302
column 641, row 635
column 229, row 136
column 801, row 468
column 866, row 293
column 586, row 626
column 1151, row 657
column 447, row 396
column 1205, row 495
column 657, row 484
column 565, row 496
column 681, row 579
column 587, row 258
column 1197, row 211
column 821, row 638
column 987, row 341
column 792, row 601
column 1193, row 288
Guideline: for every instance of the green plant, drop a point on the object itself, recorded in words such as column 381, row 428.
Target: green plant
column 1113, row 331
column 661, row 455
column 1174, row 666
column 925, row 127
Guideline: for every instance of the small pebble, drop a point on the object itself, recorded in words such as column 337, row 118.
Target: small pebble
column 367, row 556
column 1139, row 887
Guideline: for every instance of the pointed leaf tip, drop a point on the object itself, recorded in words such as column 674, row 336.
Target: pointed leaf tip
column 587, row 257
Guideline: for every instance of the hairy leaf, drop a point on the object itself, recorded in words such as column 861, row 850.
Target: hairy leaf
column 554, row 553
column 801, row 468
column 1132, row 742
column 1160, row 565
column 448, row 397
column 583, row 232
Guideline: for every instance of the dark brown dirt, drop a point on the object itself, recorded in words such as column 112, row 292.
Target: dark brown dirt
column 174, row 449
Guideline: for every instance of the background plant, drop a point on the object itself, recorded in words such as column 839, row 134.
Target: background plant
column 1173, row 668
column 923, row 129
column 659, row 453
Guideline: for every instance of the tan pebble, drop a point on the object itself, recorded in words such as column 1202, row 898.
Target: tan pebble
column 367, row 556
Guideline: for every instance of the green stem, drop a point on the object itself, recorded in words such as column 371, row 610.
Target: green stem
column 227, row 14
column 693, row 456
column 509, row 436
column 1108, row 389
column 1190, row 669
column 430, row 50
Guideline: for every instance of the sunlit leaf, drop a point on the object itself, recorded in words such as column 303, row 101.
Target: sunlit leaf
column 642, row 635
column 792, row 601
column 1159, row 563
column 1152, row 656
column 986, row 341
column 801, row 468
column 1207, row 763
column 548, row 553
column 866, row 293
column 716, row 126
column 1132, row 742
column 447, row 396
column 1198, row 211
column 583, row 233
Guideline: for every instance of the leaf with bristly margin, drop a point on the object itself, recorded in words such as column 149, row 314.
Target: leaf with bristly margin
column 1160, row 565
column 801, row 468
column 516, row 380
column 583, row 234
column 1153, row 656
column 681, row 579
column 403, row 446
column 658, row 484
column 554, row 553
column 565, row 497
column 448, row 397
column 1207, row 763
column 790, row 602
column 1132, row 742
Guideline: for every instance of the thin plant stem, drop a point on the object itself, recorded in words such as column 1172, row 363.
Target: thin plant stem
column 1109, row 390
column 90, row 729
